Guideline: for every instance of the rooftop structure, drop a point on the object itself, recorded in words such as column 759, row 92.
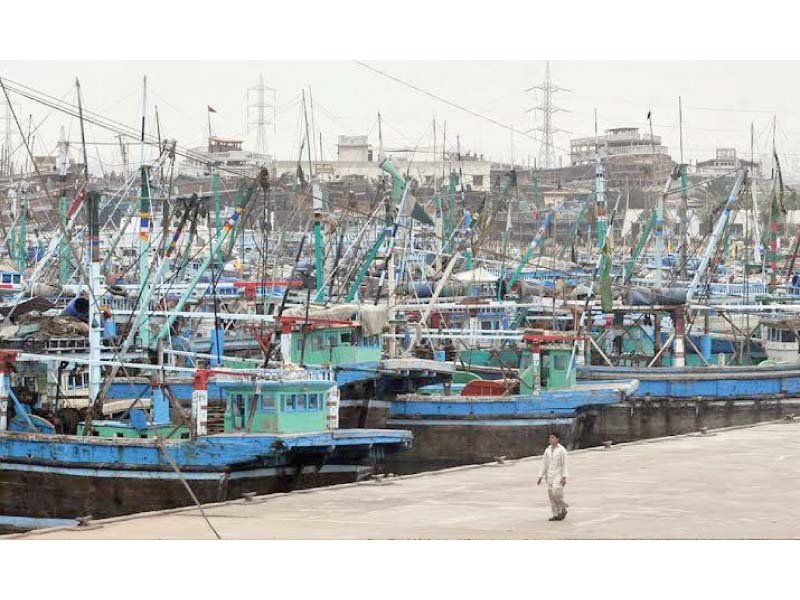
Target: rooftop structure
column 627, row 154
column 354, row 148
column 725, row 161
column 226, row 153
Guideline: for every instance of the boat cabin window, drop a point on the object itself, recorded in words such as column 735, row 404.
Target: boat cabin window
column 781, row 335
column 17, row 278
column 294, row 402
column 267, row 402
column 77, row 380
column 6, row 277
column 302, row 402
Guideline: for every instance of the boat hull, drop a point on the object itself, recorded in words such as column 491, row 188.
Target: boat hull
column 45, row 477
column 30, row 494
column 451, row 431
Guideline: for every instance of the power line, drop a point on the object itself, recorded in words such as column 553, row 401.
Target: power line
column 453, row 104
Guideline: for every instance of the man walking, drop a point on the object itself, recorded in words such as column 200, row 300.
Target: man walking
column 554, row 473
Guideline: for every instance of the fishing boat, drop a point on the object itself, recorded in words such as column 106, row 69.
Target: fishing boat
column 273, row 431
column 481, row 420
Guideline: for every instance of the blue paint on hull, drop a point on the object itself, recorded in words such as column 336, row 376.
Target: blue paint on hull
column 547, row 403
column 354, row 372
column 708, row 382
column 25, row 523
column 214, row 453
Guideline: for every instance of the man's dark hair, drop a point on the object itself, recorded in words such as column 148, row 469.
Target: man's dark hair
column 556, row 434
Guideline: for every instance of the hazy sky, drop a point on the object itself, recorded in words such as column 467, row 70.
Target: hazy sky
column 720, row 101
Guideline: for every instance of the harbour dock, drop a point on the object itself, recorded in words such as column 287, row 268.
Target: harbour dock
column 741, row 482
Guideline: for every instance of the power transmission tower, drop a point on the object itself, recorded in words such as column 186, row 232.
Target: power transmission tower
column 547, row 149
column 261, row 112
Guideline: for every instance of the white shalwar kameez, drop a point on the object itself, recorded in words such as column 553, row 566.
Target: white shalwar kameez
column 553, row 469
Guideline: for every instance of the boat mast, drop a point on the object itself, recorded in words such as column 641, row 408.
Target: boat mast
column 217, row 210
column 711, row 246
column 754, row 198
column 316, row 200
column 22, row 231
column 93, row 216
column 95, row 328
column 599, row 190
column 659, row 225
column 144, row 225
column 64, row 270
column 684, row 216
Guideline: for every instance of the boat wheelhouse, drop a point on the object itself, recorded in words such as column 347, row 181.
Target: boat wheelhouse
column 780, row 340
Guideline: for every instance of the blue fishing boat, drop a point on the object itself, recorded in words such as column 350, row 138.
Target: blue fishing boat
column 487, row 419
column 276, row 430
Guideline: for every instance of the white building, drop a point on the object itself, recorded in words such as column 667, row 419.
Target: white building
column 357, row 158
column 725, row 162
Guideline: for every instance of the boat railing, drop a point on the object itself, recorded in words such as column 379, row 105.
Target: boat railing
column 277, row 375
column 465, row 334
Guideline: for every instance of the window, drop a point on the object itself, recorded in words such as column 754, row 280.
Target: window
column 268, row 402
column 16, row 278
column 6, row 277
column 299, row 402
column 560, row 362
column 477, row 180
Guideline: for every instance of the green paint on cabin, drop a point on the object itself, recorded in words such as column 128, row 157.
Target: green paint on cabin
column 122, row 429
column 507, row 358
column 334, row 346
column 289, row 408
column 549, row 372
column 464, row 377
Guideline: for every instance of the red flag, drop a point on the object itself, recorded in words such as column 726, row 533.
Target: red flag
column 211, row 109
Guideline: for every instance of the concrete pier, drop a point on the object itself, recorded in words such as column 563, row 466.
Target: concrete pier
column 734, row 483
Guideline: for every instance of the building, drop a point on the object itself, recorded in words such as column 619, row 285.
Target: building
column 725, row 162
column 226, row 153
column 356, row 159
column 627, row 155
column 354, row 148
